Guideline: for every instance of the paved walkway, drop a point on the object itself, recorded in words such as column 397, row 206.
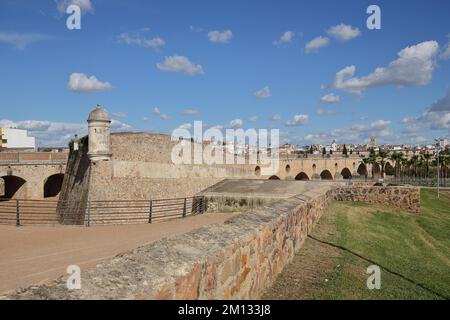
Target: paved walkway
column 31, row 255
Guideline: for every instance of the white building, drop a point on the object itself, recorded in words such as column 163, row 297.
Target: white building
column 16, row 139
column 333, row 146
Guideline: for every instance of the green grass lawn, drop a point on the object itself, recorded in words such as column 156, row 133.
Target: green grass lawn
column 415, row 246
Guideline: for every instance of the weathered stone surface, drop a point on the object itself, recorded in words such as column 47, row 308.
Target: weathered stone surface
column 403, row 197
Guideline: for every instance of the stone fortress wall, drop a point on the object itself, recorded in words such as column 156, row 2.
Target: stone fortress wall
column 141, row 168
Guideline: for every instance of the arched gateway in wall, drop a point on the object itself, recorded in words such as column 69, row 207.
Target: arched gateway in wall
column 14, row 187
column 52, row 185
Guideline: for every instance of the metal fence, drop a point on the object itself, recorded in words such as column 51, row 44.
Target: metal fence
column 90, row 213
column 422, row 182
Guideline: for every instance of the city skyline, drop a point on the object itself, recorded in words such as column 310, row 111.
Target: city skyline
column 315, row 71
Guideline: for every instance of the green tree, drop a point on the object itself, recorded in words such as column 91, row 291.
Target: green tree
column 383, row 155
column 344, row 151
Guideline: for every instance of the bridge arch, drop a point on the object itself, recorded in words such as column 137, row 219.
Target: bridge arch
column 362, row 170
column 52, row 185
column 302, row 176
column 14, row 186
column 257, row 171
column 274, row 178
column 346, row 173
column 389, row 169
column 326, row 175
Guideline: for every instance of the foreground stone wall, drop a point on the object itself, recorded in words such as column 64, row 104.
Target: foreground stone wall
column 402, row 197
column 237, row 260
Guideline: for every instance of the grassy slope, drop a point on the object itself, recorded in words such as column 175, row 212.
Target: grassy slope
column 415, row 246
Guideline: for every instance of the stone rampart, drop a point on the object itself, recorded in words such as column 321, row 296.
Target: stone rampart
column 237, row 260
column 402, row 197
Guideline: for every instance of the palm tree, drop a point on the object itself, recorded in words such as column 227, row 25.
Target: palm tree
column 383, row 155
column 427, row 157
column 413, row 162
column 373, row 160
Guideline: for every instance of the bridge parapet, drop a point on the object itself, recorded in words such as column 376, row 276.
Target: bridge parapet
column 33, row 157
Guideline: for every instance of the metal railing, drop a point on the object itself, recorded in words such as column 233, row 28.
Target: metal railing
column 43, row 212
column 418, row 181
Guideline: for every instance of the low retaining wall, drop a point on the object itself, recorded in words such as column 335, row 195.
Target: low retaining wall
column 237, row 260
column 402, row 197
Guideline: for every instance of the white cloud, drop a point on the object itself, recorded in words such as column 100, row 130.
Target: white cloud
column 55, row 134
column 442, row 104
column 185, row 126
column 324, row 112
column 119, row 114
column 137, row 40
column 343, row 32
column 316, row 43
column 264, row 93
column 21, row 40
column 330, row 98
column 156, row 111
column 195, row 29
column 298, row 120
column 85, row 5
column 220, row 37
column 190, row 112
column 164, row 117
column 116, row 125
column 253, row 119
column 285, row 38
column 355, row 134
column 236, row 123
column 79, row 82
column 445, row 54
column 414, row 66
column 275, row 117
column 180, row 64
column 436, row 117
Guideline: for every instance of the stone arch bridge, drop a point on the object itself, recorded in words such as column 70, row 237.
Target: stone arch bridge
column 40, row 175
column 325, row 168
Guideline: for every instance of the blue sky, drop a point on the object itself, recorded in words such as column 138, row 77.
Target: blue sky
column 217, row 57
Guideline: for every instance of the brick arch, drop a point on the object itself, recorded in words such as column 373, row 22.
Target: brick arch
column 326, row 175
column 362, row 169
column 15, row 187
column 302, row 176
column 346, row 173
column 388, row 166
column 52, row 185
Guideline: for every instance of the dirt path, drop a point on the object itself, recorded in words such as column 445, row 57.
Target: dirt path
column 305, row 275
column 31, row 255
